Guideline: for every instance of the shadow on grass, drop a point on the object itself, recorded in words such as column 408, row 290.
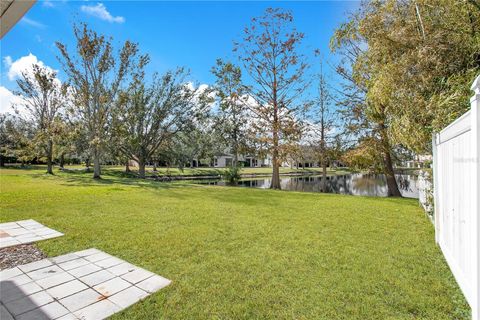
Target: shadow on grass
column 25, row 167
column 84, row 178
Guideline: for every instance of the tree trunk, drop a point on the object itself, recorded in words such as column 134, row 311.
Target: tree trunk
column 62, row 160
column 275, row 162
column 2, row 161
column 323, row 150
column 324, row 175
column 235, row 150
column 276, row 173
column 276, row 167
column 49, row 157
column 392, row 185
column 276, row 126
column 141, row 168
column 127, row 167
column 96, row 164
column 155, row 166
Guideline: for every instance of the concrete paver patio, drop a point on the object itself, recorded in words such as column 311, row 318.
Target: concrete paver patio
column 24, row 231
column 88, row 284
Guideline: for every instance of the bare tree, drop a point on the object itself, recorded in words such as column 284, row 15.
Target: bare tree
column 95, row 74
column 269, row 55
column 43, row 97
column 323, row 123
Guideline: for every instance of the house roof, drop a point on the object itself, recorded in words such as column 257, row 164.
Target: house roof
column 11, row 11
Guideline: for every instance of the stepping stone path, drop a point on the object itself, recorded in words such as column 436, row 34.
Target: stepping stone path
column 88, row 284
column 25, row 231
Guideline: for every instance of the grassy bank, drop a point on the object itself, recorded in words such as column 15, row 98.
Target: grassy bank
column 239, row 253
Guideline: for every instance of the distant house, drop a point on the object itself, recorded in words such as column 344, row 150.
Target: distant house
column 225, row 160
column 418, row 161
column 306, row 157
column 306, row 164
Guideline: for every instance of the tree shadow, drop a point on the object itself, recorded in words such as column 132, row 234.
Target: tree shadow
column 25, row 167
column 73, row 178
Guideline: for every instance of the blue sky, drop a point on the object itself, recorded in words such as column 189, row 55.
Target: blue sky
column 190, row 34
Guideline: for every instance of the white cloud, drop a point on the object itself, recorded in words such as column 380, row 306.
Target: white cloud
column 101, row 12
column 25, row 63
column 53, row 3
column 198, row 91
column 7, row 100
column 32, row 23
column 14, row 71
column 7, row 61
column 203, row 87
column 48, row 4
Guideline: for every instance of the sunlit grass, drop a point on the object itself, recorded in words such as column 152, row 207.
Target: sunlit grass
column 241, row 253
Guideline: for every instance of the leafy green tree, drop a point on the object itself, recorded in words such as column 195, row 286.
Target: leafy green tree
column 408, row 65
column 64, row 142
column 421, row 57
column 6, row 140
column 15, row 139
column 80, row 146
column 199, row 141
column 365, row 155
column 366, row 119
column 95, row 74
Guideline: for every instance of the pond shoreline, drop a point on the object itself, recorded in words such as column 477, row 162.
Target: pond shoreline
column 359, row 184
column 164, row 177
column 245, row 175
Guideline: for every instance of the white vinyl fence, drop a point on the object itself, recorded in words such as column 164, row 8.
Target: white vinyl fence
column 456, row 172
column 425, row 192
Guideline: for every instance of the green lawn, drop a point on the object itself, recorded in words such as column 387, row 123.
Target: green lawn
column 237, row 253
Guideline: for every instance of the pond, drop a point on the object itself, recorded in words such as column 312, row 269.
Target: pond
column 359, row 184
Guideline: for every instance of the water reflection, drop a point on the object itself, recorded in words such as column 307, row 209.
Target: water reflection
column 355, row 184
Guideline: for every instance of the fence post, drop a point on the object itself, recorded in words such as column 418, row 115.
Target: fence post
column 475, row 116
column 436, row 201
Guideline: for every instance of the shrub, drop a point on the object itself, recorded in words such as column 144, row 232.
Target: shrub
column 232, row 174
